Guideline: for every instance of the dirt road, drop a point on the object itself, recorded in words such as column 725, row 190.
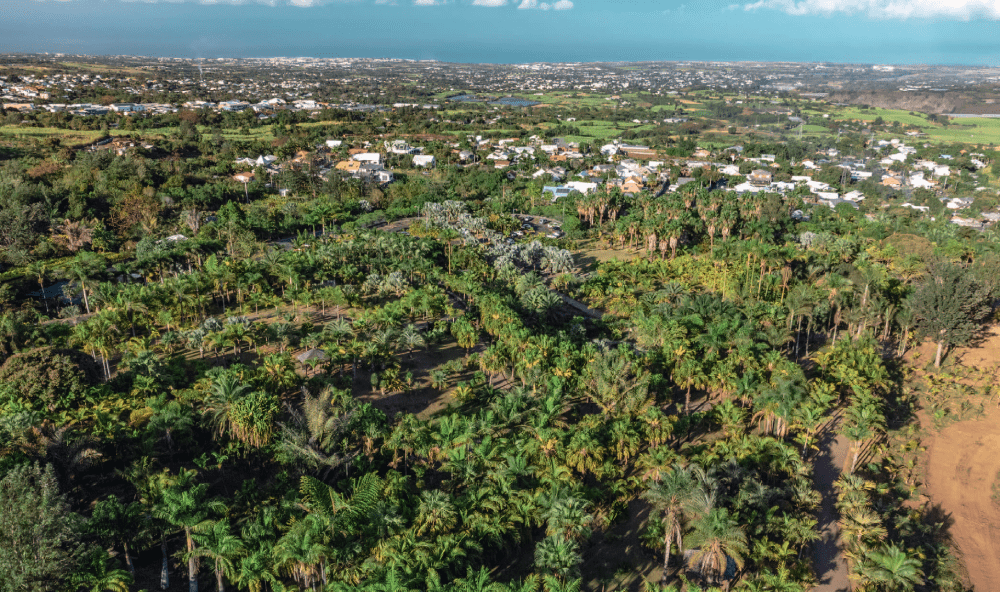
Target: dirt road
column 831, row 567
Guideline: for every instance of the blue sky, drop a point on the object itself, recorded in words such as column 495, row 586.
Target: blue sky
column 511, row 31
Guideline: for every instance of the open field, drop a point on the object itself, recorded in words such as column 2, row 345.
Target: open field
column 70, row 137
column 973, row 130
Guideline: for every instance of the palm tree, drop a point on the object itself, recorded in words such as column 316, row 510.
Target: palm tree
column 718, row 538
column 673, row 497
column 436, row 513
column 117, row 522
column 559, row 556
column 220, row 547
column 82, row 268
column 74, row 235
column 889, row 569
column 225, row 391
column 568, row 517
column 40, row 270
column 100, row 573
column 301, row 551
column 186, row 506
column 411, row 339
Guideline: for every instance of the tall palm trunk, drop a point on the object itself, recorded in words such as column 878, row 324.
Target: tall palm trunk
column 219, row 584
column 128, row 561
column 192, row 562
column 164, row 569
column 666, row 560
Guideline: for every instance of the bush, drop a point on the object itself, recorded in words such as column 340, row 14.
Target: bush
column 42, row 379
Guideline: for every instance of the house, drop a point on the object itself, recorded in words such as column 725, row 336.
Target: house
column 348, row 166
column 760, row 178
column 334, row 143
column 126, row 107
column 368, row 157
column 894, row 182
column 582, row 187
column 400, row 147
column 374, row 173
column 632, row 185
column 550, row 173
column 245, row 177
column 817, row 186
column 917, row 180
column 424, row 160
column 556, row 191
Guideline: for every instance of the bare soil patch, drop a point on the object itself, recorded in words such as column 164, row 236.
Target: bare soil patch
column 962, row 466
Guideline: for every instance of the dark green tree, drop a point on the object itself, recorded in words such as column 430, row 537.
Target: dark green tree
column 39, row 536
column 950, row 306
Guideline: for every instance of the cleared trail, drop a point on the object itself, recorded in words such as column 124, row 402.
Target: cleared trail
column 828, row 558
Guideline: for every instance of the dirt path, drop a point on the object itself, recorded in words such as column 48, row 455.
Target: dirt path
column 831, row 567
column 962, row 469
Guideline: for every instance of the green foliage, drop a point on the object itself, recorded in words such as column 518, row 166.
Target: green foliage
column 40, row 542
column 950, row 306
column 42, row 379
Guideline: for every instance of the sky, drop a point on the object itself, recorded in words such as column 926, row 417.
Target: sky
column 515, row 31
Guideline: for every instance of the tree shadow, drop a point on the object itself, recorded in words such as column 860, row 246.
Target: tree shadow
column 828, row 563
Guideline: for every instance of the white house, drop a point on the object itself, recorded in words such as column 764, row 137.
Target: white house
column 372, row 157
column 581, row 186
column 424, row 160
column 817, row 186
column 334, row 143
column 917, row 180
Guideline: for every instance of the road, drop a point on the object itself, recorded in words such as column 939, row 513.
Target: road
column 829, row 562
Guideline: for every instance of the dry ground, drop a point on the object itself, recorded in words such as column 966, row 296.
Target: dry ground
column 962, row 469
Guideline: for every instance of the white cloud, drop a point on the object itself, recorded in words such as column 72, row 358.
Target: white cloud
column 490, row 3
column 427, row 2
column 535, row 4
column 886, row 9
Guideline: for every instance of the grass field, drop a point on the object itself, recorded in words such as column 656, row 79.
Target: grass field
column 69, row 137
column 970, row 131
column 973, row 130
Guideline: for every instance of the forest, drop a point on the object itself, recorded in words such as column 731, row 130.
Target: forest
column 207, row 384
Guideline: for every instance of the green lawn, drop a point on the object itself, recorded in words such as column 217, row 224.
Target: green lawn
column 971, row 131
column 974, row 130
